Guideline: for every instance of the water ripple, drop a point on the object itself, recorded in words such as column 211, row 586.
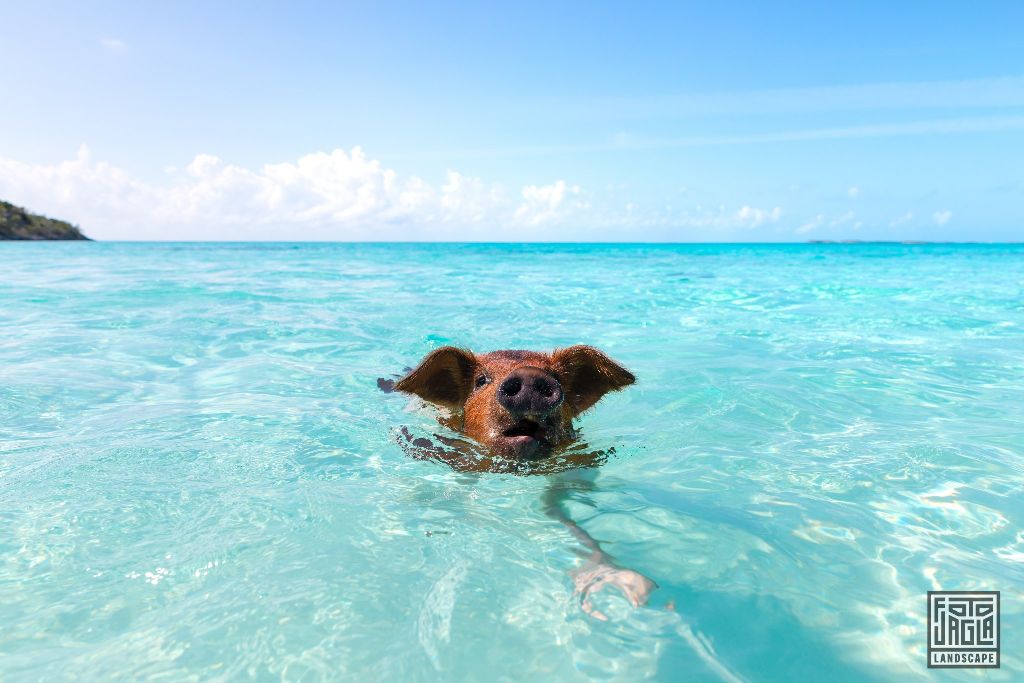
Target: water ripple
column 199, row 479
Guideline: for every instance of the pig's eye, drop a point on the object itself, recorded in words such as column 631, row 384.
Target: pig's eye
column 482, row 380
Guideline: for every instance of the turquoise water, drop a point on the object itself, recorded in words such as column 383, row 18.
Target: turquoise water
column 199, row 479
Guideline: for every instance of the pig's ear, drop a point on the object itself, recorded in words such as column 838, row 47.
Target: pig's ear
column 444, row 377
column 587, row 374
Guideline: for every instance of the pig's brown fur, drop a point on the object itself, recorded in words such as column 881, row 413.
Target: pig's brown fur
column 451, row 377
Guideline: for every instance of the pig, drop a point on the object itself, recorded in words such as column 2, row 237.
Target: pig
column 518, row 405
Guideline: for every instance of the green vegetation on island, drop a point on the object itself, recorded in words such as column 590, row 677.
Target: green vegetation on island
column 18, row 224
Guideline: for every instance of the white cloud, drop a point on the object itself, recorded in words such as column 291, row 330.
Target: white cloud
column 942, row 217
column 114, row 44
column 751, row 217
column 820, row 220
column 905, row 218
column 841, row 220
column 546, row 202
column 976, row 124
column 991, row 92
column 853, row 192
column 339, row 195
column 811, row 225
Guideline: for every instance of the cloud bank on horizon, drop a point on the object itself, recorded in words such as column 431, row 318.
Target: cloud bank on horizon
column 337, row 195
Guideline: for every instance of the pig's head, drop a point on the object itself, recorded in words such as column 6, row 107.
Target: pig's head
column 518, row 404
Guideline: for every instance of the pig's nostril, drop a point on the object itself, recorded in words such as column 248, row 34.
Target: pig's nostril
column 511, row 386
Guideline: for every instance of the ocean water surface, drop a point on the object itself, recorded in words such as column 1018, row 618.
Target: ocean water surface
column 200, row 480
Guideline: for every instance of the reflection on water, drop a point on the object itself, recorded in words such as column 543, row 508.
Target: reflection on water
column 199, row 478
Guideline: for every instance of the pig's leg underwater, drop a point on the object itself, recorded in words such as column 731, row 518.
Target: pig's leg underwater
column 599, row 568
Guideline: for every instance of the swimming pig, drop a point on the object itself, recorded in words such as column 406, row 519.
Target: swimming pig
column 520, row 405
column 517, row 404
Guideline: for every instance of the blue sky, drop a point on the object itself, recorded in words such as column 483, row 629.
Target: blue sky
column 646, row 121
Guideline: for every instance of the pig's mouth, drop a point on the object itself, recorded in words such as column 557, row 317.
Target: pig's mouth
column 524, row 427
column 526, row 437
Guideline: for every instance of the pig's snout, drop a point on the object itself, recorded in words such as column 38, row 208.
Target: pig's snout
column 530, row 391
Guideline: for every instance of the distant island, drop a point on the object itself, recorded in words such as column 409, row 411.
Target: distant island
column 18, row 224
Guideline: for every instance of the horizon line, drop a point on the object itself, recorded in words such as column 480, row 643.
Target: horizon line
column 821, row 242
